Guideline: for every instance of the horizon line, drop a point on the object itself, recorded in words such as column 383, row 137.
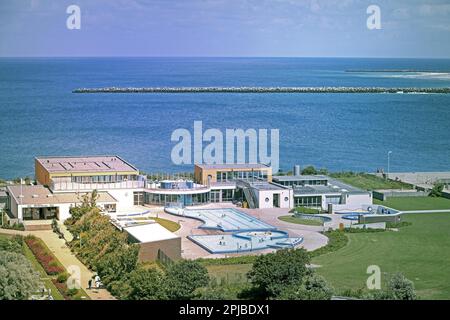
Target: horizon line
column 220, row 57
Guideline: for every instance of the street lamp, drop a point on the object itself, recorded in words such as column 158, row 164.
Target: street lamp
column 389, row 160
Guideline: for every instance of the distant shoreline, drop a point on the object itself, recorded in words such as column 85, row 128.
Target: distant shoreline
column 442, row 90
column 393, row 71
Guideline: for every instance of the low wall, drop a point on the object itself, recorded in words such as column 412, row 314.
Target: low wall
column 379, row 218
column 384, row 195
column 374, row 225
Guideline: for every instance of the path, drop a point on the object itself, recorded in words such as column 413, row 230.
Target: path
column 67, row 258
column 427, row 211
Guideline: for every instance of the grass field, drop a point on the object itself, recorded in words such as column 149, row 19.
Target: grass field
column 420, row 251
column 416, row 203
column 368, row 181
column 296, row 220
column 229, row 273
column 168, row 224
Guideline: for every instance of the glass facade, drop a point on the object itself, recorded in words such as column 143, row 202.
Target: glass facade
column 184, row 199
column 224, row 176
column 227, row 195
column 40, row 213
column 103, row 178
column 308, row 201
column 303, row 183
column 333, row 199
column 138, row 198
column 215, row 195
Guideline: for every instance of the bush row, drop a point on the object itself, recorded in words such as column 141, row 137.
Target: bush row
column 44, row 256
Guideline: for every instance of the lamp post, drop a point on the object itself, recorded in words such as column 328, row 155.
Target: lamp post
column 389, row 163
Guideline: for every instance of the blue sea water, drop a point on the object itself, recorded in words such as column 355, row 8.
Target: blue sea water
column 41, row 116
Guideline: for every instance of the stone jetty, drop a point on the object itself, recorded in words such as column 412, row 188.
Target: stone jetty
column 440, row 90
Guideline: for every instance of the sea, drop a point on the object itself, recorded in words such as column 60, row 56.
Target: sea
column 40, row 116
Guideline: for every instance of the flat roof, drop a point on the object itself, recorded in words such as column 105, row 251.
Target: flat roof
column 300, row 178
column 264, row 185
column 150, row 232
column 85, row 164
column 38, row 194
column 234, row 166
column 334, row 187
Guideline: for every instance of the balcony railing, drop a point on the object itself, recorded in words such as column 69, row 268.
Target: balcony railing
column 74, row 186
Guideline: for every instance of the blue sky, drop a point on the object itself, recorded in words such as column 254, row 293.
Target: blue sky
column 308, row 28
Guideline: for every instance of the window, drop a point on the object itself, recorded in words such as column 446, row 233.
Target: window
column 308, row 201
column 138, row 198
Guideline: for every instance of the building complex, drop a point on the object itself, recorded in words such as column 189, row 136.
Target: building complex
column 62, row 181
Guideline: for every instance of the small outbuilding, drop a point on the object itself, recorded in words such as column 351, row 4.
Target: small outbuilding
column 156, row 242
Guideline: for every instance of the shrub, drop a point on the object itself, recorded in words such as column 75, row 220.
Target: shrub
column 184, row 277
column 336, row 240
column 18, row 280
column 437, row 190
column 44, row 256
column 62, row 277
column 397, row 225
column 305, row 210
column 147, row 285
column 313, row 287
column 72, row 292
column 13, row 244
column 274, row 272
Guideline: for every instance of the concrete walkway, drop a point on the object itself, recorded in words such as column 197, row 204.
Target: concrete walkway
column 427, row 211
column 67, row 258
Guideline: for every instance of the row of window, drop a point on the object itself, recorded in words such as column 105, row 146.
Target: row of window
column 304, row 183
column 223, row 176
column 309, row 201
column 103, row 179
column 184, row 199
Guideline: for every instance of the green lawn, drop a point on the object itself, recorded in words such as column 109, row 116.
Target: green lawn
column 420, row 251
column 368, row 181
column 416, row 203
column 168, row 224
column 229, row 273
column 296, row 220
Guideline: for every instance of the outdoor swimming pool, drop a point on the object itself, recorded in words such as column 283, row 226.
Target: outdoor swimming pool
column 226, row 219
column 245, row 241
column 247, row 233
column 375, row 210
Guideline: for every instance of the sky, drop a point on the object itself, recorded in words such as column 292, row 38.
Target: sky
column 292, row 28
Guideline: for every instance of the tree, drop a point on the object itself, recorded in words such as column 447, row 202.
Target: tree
column 309, row 170
column 117, row 264
column 88, row 204
column 273, row 272
column 437, row 190
column 401, row 288
column 18, row 280
column 313, row 287
column 184, row 277
column 147, row 285
column 398, row 287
